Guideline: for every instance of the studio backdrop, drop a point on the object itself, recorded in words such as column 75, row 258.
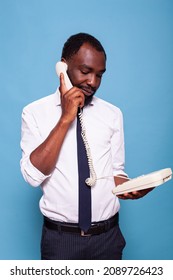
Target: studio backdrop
column 138, row 39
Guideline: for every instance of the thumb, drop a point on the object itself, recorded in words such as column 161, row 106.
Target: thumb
column 63, row 89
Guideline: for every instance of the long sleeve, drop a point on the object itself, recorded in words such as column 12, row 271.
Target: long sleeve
column 117, row 146
column 30, row 139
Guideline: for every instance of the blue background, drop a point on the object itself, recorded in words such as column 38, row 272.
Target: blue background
column 138, row 38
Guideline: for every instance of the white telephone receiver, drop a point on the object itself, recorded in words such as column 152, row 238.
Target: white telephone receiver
column 61, row 67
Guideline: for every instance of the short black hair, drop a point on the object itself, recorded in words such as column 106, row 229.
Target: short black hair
column 74, row 42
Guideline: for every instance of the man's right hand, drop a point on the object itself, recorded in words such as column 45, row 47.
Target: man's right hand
column 45, row 156
column 71, row 100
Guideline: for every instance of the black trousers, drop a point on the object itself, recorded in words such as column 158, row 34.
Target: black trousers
column 71, row 246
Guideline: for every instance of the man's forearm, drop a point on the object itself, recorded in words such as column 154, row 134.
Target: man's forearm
column 44, row 157
column 120, row 179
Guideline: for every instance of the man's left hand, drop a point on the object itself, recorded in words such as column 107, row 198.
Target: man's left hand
column 135, row 195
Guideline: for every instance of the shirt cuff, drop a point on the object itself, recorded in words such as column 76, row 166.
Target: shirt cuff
column 32, row 175
column 119, row 172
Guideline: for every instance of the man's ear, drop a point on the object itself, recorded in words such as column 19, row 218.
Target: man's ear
column 64, row 60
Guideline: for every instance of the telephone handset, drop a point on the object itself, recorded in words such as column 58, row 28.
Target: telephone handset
column 61, row 67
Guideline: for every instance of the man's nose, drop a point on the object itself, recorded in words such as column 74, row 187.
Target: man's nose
column 92, row 81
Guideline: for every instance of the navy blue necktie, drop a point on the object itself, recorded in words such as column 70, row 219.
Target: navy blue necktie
column 84, row 189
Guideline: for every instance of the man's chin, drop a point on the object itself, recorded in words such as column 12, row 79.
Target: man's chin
column 88, row 99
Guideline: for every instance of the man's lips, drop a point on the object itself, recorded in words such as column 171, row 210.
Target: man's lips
column 87, row 91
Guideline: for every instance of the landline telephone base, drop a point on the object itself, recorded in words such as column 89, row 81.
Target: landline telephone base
column 150, row 180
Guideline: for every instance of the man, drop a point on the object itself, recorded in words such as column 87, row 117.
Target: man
column 50, row 156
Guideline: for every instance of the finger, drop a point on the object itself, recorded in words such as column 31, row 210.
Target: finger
column 81, row 100
column 63, row 89
column 75, row 95
column 121, row 197
column 135, row 193
column 142, row 192
column 78, row 102
column 124, row 196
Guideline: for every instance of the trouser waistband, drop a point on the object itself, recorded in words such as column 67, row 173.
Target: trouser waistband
column 96, row 227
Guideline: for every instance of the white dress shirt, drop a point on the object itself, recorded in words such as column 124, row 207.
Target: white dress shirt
column 104, row 129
